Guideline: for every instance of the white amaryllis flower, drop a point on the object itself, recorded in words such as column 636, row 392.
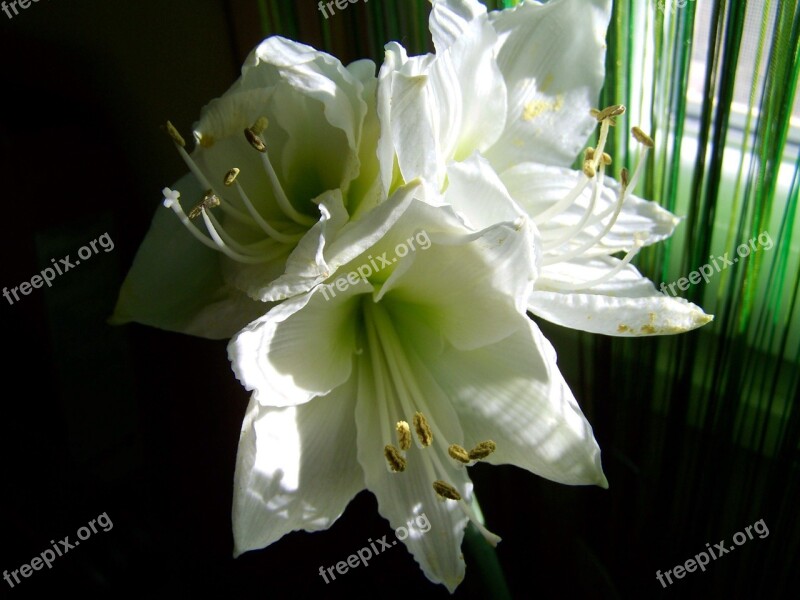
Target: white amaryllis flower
column 282, row 160
column 396, row 380
column 507, row 102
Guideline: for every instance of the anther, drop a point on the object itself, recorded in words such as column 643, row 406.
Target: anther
column 624, row 178
column 255, row 141
column 403, row 435
column 231, row 176
column 482, row 450
column 607, row 159
column 642, row 137
column 588, row 169
column 175, row 135
column 610, row 112
column 458, row 453
column 396, row 461
column 588, row 154
column 210, row 200
column 445, row 490
column 423, row 430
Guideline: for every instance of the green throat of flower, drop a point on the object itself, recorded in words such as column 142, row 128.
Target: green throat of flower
column 238, row 207
column 399, row 393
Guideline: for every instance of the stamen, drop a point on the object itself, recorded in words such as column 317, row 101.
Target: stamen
column 609, row 112
column 224, row 247
column 172, row 201
column 423, row 430
column 642, row 137
column 571, row 287
column 575, row 252
column 562, row 204
column 253, row 135
column 445, row 490
column 265, row 226
column 403, row 435
column 175, row 135
column 180, row 144
column 231, row 176
column 458, row 453
column 210, row 200
column 588, row 169
column 569, row 232
column 482, row 450
column 255, row 141
column 397, row 463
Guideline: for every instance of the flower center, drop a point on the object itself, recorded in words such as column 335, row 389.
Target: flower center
column 399, row 393
column 559, row 245
column 255, row 224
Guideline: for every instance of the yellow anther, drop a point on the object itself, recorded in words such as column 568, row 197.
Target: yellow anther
column 482, row 450
column 624, row 177
column 458, row 453
column 396, row 461
column 588, row 168
column 445, row 490
column 610, row 112
column 403, row 435
column 607, row 159
column 175, row 135
column 255, row 141
column 642, row 137
column 231, row 176
column 423, row 430
column 210, row 200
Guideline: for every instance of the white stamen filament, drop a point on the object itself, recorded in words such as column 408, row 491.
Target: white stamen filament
column 223, row 247
column 262, row 223
column 380, row 330
column 571, row 287
column 216, row 237
column 175, row 205
column 564, row 203
column 571, row 231
column 280, row 195
column 226, row 237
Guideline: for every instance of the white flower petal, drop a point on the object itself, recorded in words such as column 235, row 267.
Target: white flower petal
column 619, row 315
column 513, row 393
column 300, row 349
column 177, row 284
column 450, row 19
column 478, row 195
column 412, row 127
column 306, row 265
column 552, row 58
column 296, row 468
column 472, row 287
column 468, row 95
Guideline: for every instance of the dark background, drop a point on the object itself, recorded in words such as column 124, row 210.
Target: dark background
column 143, row 424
